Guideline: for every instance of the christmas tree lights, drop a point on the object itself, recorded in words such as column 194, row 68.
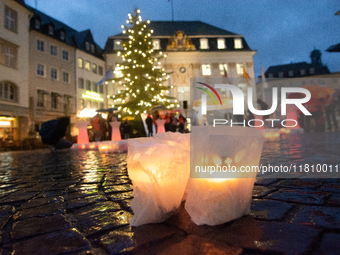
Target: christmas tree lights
column 140, row 75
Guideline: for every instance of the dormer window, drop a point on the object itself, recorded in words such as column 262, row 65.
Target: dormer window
column 280, row 74
column 270, row 75
column 87, row 46
column 50, row 30
column 118, row 45
column 311, row 70
column 37, row 24
column 221, row 43
column 204, row 44
column 156, row 44
column 291, row 73
column 62, row 35
column 92, row 48
column 303, row 72
column 238, row 43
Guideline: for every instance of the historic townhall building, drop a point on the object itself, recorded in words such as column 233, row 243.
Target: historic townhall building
column 194, row 49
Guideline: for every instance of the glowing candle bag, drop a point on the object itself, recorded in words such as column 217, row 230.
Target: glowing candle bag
column 159, row 170
column 218, row 192
column 82, row 132
column 115, row 136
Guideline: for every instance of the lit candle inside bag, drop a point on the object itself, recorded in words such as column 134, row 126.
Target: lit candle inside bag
column 159, row 170
column 160, row 126
column 115, row 136
column 82, row 132
column 224, row 164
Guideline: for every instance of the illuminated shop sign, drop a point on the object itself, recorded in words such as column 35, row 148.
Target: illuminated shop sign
column 92, row 95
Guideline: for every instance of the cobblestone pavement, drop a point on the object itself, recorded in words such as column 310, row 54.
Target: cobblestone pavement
column 78, row 202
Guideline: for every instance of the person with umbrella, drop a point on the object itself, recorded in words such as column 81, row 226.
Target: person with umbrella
column 263, row 106
column 330, row 112
column 149, row 123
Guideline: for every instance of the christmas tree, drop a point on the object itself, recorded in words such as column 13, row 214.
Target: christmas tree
column 140, row 75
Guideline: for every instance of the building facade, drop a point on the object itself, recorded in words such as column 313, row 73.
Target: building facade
column 194, row 50
column 14, row 69
column 64, row 67
column 295, row 75
column 90, row 69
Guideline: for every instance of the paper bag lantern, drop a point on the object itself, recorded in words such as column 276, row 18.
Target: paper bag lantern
column 115, row 136
column 159, row 170
column 226, row 195
column 82, row 132
column 160, row 126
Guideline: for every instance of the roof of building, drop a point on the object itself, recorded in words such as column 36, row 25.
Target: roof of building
column 72, row 37
column 299, row 69
column 334, row 48
column 194, row 30
column 190, row 28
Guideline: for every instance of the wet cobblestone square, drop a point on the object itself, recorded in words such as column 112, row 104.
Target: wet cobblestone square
column 78, row 202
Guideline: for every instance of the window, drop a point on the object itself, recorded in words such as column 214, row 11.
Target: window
column 118, row 72
column 11, row 19
column 87, row 66
column 156, row 44
column 62, row 35
column 88, row 85
column 81, row 104
column 238, row 43
column 40, row 70
column 303, row 72
column 92, row 48
column 223, row 70
column 8, row 54
column 204, row 44
column 37, row 24
column 311, row 70
column 118, row 45
column 50, row 29
column 8, row 91
column 54, row 101
column 291, row 73
column 280, row 74
column 53, row 50
column 270, row 75
column 88, row 104
column 94, row 87
column 80, row 83
column 183, row 89
column 40, row 98
column 100, row 70
column 221, row 43
column 87, row 46
column 40, row 45
column 54, row 73
column 80, row 63
column 65, row 54
column 101, row 89
column 206, row 70
column 94, row 68
column 65, row 77
column 239, row 69
column 9, row 57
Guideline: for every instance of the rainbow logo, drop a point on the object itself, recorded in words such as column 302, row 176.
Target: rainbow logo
column 209, row 93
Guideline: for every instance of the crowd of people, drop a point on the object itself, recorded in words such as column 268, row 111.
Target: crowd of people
column 172, row 123
column 102, row 129
column 324, row 115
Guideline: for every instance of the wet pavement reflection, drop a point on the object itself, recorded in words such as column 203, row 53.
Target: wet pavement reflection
column 78, row 202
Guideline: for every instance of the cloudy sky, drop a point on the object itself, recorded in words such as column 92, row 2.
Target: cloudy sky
column 281, row 31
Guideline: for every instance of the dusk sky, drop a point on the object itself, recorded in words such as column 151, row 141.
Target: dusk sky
column 281, row 31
